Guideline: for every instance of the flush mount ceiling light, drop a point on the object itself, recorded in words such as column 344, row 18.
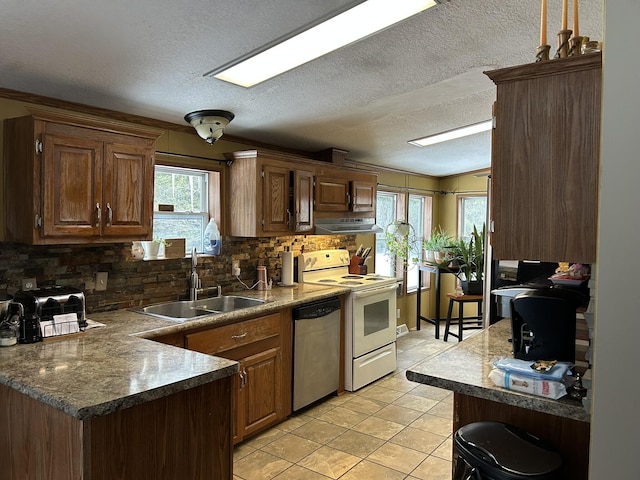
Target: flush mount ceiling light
column 319, row 38
column 209, row 124
column 453, row 134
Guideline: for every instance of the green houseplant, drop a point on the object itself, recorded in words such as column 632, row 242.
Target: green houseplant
column 469, row 256
column 400, row 240
column 438, row 247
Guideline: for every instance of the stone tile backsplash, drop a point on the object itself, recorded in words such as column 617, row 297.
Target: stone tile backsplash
column 136, row 282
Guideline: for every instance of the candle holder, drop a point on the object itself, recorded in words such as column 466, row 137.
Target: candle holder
column 542, row 53
column 563, row 44
column 575, row 46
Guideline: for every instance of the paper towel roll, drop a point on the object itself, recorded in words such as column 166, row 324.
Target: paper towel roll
column 287, row 268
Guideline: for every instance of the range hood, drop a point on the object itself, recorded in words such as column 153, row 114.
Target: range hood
column 344, row 226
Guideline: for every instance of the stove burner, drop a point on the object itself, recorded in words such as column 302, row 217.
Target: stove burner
column 351, row 282
column 357, row 277
column 327, row 280
column 375, row 278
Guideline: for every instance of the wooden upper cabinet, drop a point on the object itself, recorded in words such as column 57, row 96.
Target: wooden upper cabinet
column 270, row 194
column 545, row 160
column 70, row 178
column 332, row 194
column 345, row 191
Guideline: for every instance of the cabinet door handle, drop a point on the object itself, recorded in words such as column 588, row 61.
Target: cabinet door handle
column 109, row 214
column 238, row 337
column 289, row 219
column 98, row 215
column 243, row 378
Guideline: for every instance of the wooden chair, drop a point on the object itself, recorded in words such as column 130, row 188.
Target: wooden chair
column 464, row 323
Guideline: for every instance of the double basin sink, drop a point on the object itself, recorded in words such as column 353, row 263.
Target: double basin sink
column 181, row 311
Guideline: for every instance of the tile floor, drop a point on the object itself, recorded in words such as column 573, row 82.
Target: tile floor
column 393, row 429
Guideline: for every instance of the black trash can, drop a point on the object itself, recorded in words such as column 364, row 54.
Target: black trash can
column 498, row 451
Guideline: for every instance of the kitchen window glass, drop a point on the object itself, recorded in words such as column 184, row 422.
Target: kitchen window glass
column 472, row 210
column 181, row 205
column 416, row 210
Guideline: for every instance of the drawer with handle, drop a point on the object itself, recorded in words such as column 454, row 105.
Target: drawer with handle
column 235, row 335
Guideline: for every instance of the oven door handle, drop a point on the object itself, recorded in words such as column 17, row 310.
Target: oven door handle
column 375, row 291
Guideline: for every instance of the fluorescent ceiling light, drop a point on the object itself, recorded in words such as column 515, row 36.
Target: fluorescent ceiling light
column 453, row 134
column 318, row 39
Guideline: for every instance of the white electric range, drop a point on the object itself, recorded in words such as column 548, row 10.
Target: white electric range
column 370, row 314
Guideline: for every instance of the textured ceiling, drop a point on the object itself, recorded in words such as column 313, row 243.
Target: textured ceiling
column 422, row 76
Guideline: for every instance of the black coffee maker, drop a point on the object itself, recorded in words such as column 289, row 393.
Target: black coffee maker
column 543, row 324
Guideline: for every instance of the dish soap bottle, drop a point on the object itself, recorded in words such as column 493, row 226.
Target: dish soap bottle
column 212, row 240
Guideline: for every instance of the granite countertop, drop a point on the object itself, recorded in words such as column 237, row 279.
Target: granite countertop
column 109, row 368
column 465, row 366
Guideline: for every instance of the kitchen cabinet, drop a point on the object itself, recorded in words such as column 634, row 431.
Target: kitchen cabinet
column 262, row 389
column 183, row 435
column 271, row 194
column 344, row 191
column 545, row 160
column 71, row 178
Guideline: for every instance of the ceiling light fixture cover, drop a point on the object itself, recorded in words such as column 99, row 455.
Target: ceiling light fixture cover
column 209, row 124
column 453, row 134
column 317, row 39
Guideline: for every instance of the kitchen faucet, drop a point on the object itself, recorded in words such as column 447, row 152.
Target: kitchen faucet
column 195, row 286
column 194, row 281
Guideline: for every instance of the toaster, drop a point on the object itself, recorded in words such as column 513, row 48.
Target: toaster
column 41, row 304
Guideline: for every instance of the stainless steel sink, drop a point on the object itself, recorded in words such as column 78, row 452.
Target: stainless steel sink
column 181, row 311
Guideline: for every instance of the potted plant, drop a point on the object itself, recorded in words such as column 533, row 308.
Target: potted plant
column 438, row 247
column 400, row 240
column 469, row 256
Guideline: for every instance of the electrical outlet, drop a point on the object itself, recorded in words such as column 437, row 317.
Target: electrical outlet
column 397, row 313
column 29, row 284
column 101, row 281
column 235, row 268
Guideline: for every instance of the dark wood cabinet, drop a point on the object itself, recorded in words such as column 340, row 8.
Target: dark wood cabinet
column 262, row 346
column 270, row 195
column 545, row 160
column 344, row 191
column 75, row 179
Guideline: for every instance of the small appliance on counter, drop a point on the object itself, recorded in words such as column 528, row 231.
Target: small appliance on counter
column 49, row 312
column 10, row 314
column 544, row 324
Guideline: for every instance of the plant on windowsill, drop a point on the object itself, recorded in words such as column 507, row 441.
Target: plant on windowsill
column 469, row 257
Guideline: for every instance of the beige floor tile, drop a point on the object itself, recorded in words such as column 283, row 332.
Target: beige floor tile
column 343, row 417
column 329, row 462
column 381, row 394
column 259, row 466
column 356, row 443
column 397, row 457
column 339, row 399
column 319, row 431
column 372, row 471
column 443, row 409
column 416, row 402
column 425, row 442
column 264, row 438
column 379, row 428
column 398, row 414
column 296, row 472
column 294, row 422
column 434, row 424
column 364, row 405
column 315, row 410
column 291, row 447
column 242, row 450
column 445, row 450
column 400, row 383
column 429, row 391
column 433, row 468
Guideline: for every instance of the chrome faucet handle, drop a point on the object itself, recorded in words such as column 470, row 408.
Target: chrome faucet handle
column 194, row 258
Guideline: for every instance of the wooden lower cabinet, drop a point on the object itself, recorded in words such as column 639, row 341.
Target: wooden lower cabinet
column 183, row 435
column 262, row 346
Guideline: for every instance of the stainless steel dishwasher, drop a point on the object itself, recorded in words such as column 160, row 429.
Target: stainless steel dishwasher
column 316, row 351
